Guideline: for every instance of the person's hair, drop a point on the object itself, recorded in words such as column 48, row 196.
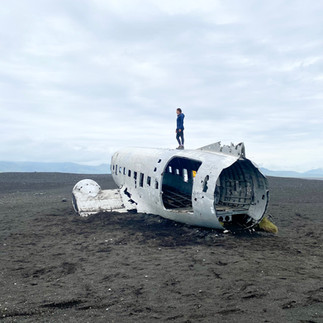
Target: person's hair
column 179, row 109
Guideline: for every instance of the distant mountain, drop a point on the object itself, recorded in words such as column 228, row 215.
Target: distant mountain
column 105, row 169
column 53, row 167
column 314, row 173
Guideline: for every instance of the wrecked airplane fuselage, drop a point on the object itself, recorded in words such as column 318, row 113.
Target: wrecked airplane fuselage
column 214, row 186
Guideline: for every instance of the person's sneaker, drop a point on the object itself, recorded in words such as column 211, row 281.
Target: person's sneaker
column 181, row 147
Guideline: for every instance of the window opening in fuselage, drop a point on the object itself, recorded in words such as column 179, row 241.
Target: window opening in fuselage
column 135, row 178
column 148, row 180
column 185, row 175
column 205, row 187
column 177, row 186
column 141, row 180
column 124, row 170
column 116, row 171
column 129, row 172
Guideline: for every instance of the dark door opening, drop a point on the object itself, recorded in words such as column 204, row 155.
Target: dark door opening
column 177, row 183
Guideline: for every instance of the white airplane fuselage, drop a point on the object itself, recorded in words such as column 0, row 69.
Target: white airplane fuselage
column 214, row 186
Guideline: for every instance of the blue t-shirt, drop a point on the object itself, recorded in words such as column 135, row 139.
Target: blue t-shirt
column 180, row 121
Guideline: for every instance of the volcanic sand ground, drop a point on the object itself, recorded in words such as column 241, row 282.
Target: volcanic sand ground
column 58, row 267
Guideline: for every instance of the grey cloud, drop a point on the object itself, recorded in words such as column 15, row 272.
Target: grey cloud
column 79, row 79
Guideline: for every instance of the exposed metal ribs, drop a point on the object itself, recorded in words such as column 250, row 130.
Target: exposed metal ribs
column 175, row 199
column 235, row 189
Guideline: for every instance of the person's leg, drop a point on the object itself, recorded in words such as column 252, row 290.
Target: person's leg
column 177, row 137
column 180, row 138
column 182, row 132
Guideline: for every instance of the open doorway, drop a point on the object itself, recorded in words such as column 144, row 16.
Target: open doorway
column 177, row 183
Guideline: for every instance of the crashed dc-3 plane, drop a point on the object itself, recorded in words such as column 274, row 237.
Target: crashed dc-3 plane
column 214, row 186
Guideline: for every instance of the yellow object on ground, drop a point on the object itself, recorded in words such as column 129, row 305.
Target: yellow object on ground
column 194, row 173
column 267, row 226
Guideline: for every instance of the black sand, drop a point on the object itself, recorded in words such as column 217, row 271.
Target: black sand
column 57, row 267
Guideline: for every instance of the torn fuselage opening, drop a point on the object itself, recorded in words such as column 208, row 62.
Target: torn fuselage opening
column 177, row 183
column 236, row 191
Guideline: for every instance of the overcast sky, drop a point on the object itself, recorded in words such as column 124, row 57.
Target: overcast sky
column 80, row 79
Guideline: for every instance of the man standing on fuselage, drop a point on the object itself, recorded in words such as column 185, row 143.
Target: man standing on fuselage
column 180, row 128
